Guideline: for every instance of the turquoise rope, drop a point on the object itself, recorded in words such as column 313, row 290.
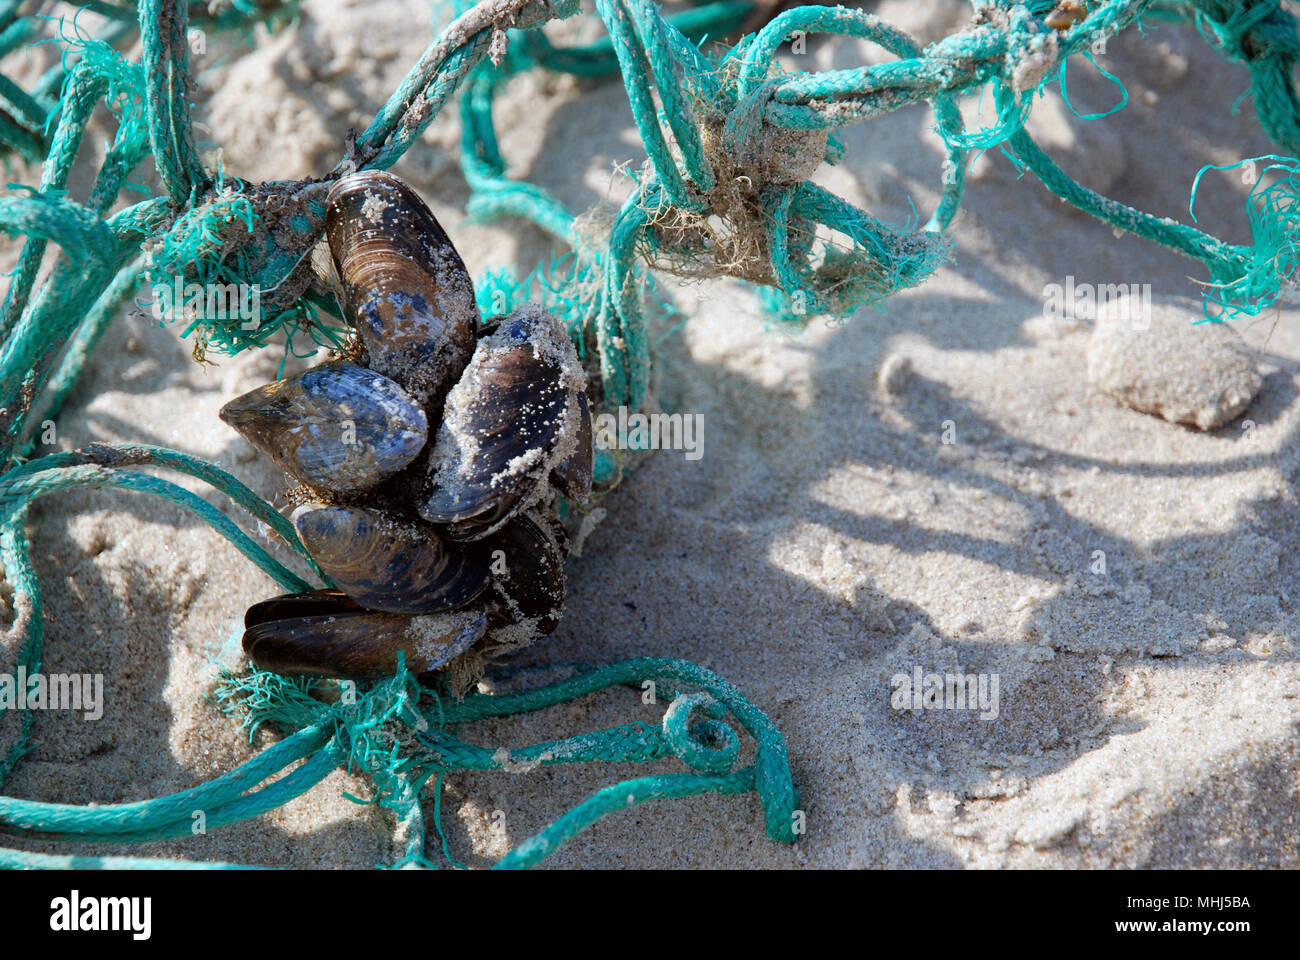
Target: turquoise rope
column 22, row 860
column 620, row 796
column 143, row 454
column 18, row 487
column 80, row 98
column 80, row 348
column 15, row 557
column 131, row 821
column 164, row 29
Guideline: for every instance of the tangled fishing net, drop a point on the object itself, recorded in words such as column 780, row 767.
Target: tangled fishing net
column 733, row 141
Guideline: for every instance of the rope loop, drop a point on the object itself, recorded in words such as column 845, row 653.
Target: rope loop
column 709, row 745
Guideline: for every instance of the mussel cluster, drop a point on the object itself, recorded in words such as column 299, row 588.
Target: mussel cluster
column 430, row 462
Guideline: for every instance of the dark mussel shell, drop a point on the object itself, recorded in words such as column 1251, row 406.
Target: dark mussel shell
column 572, row 477
column 528, row 573
column 389, row 563
column 338, row 427
column 325, row 634
column 510, row 419
column 290, row 605
column 405, row 287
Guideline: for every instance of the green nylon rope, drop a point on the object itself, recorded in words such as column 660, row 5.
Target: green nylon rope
column 210, row 228
column 24, row 489
column 359, row 734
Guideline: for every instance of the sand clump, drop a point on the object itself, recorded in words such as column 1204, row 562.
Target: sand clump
column 1164, row 363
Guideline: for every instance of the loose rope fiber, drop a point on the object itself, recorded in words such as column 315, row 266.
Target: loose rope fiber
column 732, row 141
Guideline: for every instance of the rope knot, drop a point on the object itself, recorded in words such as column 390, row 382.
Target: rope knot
column 259, row 236
column 768, row 153
column 1032, row 53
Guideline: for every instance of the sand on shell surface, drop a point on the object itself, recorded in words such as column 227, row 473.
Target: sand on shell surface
column 1132, row 582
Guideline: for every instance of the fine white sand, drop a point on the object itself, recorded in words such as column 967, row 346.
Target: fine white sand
column 827, row 540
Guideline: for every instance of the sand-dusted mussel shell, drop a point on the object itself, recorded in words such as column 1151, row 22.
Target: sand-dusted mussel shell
column 386, row 562
column 572, row 476
column 434, row 462
column 338, row 428
column 528, row 577
column 511, row 418
column 404, row 285
column 326, row 633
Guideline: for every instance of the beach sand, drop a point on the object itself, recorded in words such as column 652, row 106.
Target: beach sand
column 827, row 540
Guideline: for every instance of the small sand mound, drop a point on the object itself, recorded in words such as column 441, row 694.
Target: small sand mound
column 1155, row 358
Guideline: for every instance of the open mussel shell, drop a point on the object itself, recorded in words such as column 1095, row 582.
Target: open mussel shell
column 389, row 563
column 511, row 418
column 527, row 574
column 404, row 285
column 338, row 427
column 326, row 634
